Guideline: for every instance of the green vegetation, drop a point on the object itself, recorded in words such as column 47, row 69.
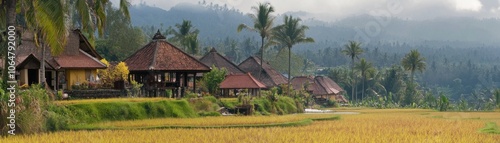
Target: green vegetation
column 212, row 79
column 491, row 127
column 64, row 115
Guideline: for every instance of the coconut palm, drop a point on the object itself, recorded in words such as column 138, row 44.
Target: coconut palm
column 363, row 66
column 413, row 62
column 289, row 34
column 48, row 20
column 353, row 50
column 184, row 33
column 9, row 6
column 263, row 24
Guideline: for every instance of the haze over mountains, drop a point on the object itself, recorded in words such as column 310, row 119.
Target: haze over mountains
column 219, row 22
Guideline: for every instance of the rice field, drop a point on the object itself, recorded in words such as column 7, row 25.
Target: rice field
column 212, row 121
column 372, row 125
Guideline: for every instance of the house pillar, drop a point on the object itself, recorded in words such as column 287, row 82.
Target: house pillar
column 194, row 82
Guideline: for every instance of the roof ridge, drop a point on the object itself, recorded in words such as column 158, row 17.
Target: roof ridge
column 153, row 63
column 86, row 54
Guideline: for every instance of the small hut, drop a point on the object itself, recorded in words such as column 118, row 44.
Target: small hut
column 161, row 66
column 269, row 76
column 320, row 87
column 233, row 84
column 219, row 61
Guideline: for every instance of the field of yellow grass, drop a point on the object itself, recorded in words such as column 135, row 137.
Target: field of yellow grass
column 372, row 125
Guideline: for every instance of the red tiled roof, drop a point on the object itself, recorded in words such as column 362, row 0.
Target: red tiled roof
column 83, row 59
column 161, row 55
column 219, row 61
column 241, row 81
column 270, row 77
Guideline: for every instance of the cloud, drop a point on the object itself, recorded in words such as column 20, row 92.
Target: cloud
column 337, row 9
column 471, row 5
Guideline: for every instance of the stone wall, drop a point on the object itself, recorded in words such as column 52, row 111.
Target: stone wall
column 96, row 93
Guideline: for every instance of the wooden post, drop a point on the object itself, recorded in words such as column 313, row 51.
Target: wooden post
column 194, row 83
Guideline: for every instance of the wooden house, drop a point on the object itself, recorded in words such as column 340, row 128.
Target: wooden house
column 213, row 58
column 77, row 64
column 320, row 87
column 235, row 83
column 161, row 66
column 269, row 76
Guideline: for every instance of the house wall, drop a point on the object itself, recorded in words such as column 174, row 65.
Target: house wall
column 23, row 77
column 78, row 76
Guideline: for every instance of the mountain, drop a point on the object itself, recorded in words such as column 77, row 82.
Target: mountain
column 219, row 22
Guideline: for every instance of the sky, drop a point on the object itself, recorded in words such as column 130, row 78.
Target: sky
column 329, row 10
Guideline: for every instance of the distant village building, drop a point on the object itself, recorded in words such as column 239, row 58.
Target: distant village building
column 161, row 66
column 77, row 64
column 269, row 76
column 320, row 87
column 234, row 85
column 219, row 61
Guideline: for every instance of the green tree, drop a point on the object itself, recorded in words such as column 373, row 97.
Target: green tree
column 120, row 38
column 497, row 97
column 263, row 24
column 291, row 32
column 213, row 79
column 8, row 10
column 184, row 34
column 363, row 66
column 413, row 62
column 353, row 50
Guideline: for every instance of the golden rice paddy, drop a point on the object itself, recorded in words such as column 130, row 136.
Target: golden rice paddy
column 372, row 125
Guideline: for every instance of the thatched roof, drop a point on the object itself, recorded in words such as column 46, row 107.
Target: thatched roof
column 163, row 56
column 219, row 61
column 77, row 54
column 269, row 76
column 241, row 81
column 319, row 85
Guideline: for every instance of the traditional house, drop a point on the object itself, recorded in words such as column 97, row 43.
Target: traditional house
column 269, row 76
column 77, row 64
column 320, row 87
column 161, row 66
column 219, row 61
column 234, row 83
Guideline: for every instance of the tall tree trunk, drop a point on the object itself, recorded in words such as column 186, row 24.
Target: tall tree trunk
column 10, row 21
column 363, row 88
column 261, row 61
column 353, row 81
column 42, row 65
column 289, row 68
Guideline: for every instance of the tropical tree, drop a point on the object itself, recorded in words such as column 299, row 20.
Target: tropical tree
column 49, row 21
column 413, row 62
column 263, row 24
column 353, row 50
column 289, row 34
column 184, row 33
column 8, row 8
column 363, row 66
column 497, row 97
column 192, row 44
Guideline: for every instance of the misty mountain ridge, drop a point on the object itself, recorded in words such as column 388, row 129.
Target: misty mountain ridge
column 219, row 22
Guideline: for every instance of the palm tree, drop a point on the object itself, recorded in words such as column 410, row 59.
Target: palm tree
column 413, row 62
column 192, row 44
column 363, row 66
column 263, row 24
column 289, row 34
column 10, row 20
column 48, row 21
column 353, row 50
column 184, row 33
